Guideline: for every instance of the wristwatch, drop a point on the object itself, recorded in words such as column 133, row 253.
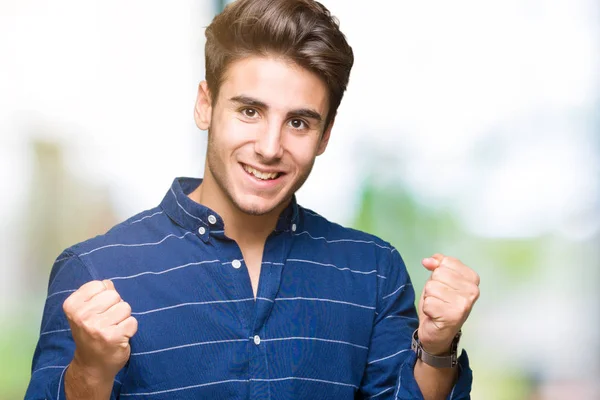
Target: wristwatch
column 436, row 361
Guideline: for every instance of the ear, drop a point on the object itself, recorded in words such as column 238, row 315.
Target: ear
column 203, row 107
column 325, row 138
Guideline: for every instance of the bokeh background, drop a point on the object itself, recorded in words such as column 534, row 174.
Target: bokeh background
column 469, row 127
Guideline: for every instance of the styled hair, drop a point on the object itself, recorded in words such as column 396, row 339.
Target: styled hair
column 302, row 31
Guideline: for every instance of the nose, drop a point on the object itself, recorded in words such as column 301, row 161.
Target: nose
column 268, row 144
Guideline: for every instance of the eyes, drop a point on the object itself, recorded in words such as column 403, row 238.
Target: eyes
column 296, row 123
column 249, row 112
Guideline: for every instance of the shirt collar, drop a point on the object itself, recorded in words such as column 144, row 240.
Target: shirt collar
column 194, row 216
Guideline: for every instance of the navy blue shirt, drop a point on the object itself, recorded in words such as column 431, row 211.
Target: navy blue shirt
column 332, row 319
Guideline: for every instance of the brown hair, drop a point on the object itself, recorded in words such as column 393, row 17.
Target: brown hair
column 302, row 31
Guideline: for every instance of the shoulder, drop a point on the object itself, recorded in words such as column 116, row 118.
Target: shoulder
column 318, row 227
column 112, row 251
column 353, row 246
column 138, row 226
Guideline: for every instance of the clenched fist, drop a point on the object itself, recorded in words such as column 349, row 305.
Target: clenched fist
column 101, row 325
column 446, row 301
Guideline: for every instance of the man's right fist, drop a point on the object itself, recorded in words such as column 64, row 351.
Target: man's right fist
column 101, row 325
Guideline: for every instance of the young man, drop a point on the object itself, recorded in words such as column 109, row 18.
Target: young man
column 231, row 290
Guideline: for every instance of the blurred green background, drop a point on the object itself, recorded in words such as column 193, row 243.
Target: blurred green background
column 469, row 128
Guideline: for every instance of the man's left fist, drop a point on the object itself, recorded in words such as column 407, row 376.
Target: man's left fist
column 446, row 301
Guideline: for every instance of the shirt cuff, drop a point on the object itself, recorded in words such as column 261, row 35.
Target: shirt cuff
column 408, row 389
column 55, row 387
column 55, row 390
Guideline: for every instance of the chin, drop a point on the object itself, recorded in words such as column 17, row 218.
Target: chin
column 257, row 208
column 257, row 212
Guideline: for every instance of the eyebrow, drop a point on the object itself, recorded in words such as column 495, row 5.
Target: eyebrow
column 301, row 112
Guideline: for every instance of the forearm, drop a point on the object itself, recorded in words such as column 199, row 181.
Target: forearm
column 82, row 384
column 435, row 383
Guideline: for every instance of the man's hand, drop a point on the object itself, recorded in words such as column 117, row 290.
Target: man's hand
column 101, row 325
column 446, row 301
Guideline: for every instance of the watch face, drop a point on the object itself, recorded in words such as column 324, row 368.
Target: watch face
column 414, row 344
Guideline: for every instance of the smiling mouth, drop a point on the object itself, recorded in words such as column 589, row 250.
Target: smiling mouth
column 263, row 176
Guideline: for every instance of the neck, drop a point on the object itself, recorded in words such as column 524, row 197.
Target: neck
column 246, row 229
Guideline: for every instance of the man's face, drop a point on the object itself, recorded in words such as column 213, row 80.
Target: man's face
column 265, row 129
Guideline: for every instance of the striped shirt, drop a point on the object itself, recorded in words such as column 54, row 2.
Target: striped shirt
column 332, row 319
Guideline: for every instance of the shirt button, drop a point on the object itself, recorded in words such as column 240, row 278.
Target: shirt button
column 256, row 340
column 236, row 264
column 201, row 230
column 293, row 227
column 212, row 219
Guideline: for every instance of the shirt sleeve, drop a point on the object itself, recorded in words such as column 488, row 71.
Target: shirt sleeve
column 55, row 347
column 389, row 373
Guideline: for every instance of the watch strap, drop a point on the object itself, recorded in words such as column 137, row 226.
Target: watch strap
column 449, row 361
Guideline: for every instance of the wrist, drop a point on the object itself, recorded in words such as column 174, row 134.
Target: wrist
column 90, row 375
column 438, row 349
column 442, row 358
column 85, row 383
column 433, row 345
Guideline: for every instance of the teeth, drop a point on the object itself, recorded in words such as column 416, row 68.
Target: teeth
column 261, row 175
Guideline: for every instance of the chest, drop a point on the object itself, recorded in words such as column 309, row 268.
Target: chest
column 205, row 331
column 253, row 257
